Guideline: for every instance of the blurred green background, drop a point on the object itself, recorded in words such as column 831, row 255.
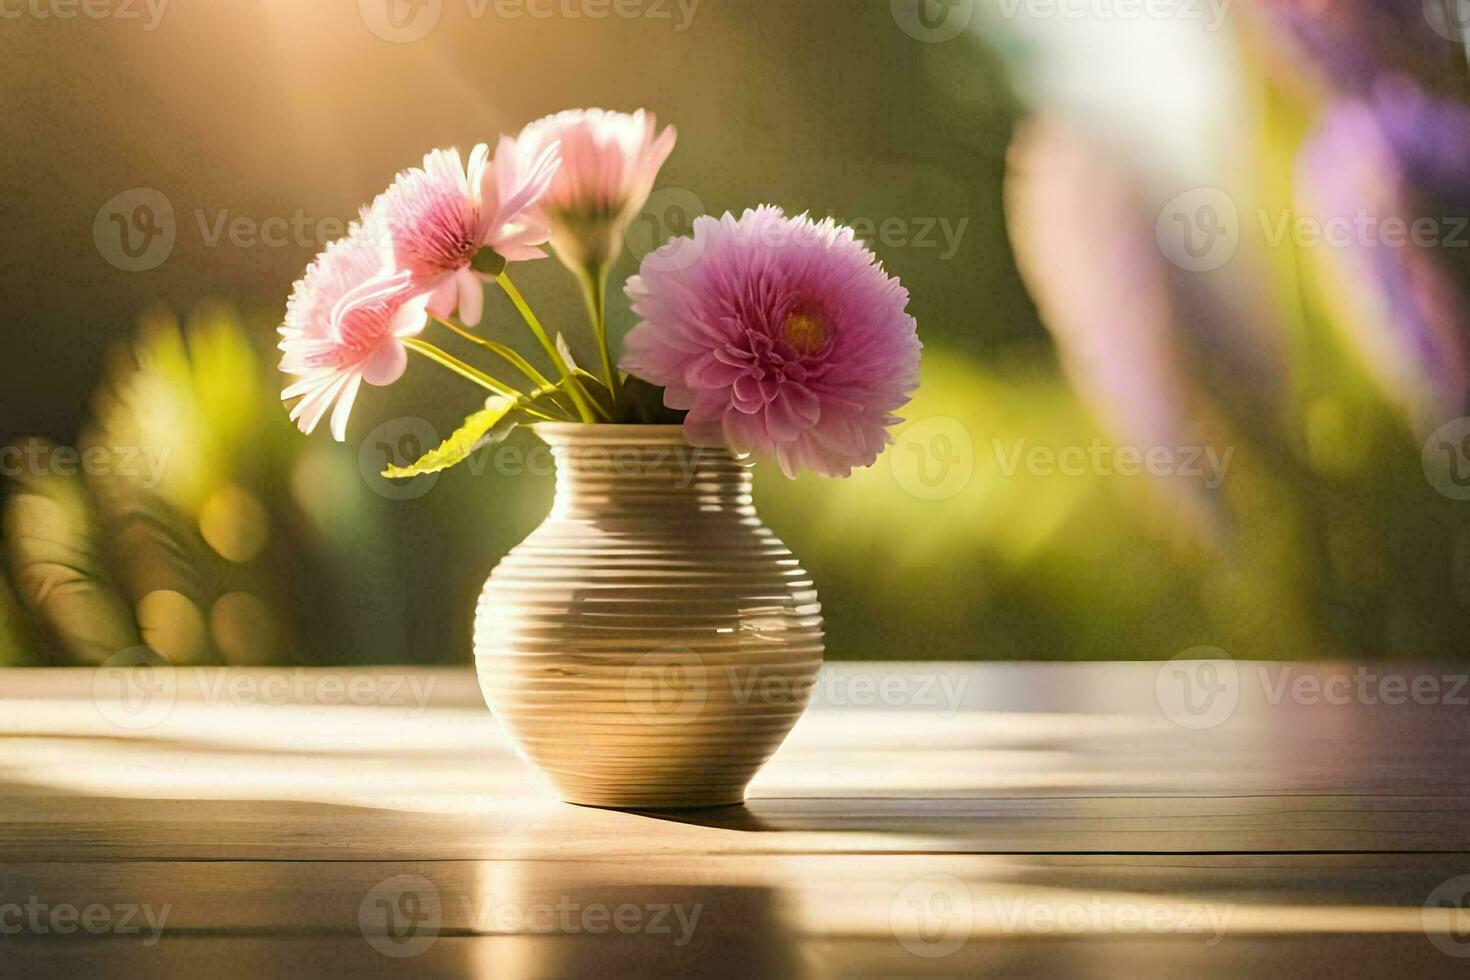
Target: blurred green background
column 1086, row 208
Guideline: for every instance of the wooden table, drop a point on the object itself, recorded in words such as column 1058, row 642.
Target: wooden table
column 934, row 819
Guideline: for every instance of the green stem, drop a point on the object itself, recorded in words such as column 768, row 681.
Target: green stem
column 579, row 396
column 464, row 370
column 520, row 363
column 594, row 294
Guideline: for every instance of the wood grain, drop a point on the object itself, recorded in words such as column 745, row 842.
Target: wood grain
column 1032, row 814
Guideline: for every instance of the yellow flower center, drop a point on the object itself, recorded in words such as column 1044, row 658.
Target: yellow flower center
column 804, row 332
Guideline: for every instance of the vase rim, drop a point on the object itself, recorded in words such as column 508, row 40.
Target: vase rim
column 611, row 433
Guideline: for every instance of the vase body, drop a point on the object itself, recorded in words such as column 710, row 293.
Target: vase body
column 651, row 643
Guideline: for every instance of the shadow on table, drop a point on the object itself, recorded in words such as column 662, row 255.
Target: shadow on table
column 796, row 814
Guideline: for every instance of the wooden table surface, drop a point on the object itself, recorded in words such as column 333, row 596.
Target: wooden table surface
column 923, row 819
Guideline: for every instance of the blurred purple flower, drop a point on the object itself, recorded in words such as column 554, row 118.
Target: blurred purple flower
column 1400, row 306
column 1430, row 137
column 1352, row 42
column 1092, row 264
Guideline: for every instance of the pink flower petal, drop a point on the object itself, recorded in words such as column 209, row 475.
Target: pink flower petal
column 471, row 296
column 783, row 335
column 385, row 365
column 344, row 407
column 344, row 317
column 609, row 161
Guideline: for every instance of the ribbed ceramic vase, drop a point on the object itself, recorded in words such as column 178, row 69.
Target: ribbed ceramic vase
column 652, row 642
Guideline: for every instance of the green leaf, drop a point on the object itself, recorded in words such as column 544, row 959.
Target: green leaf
column 565, row 350
column 591, row 383
column 595, row 389
column 488, row 262
column 16, row 646
column 55, row 545
column 489, row 424
column 643, row 403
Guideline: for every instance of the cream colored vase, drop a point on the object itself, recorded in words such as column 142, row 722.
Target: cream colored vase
column 651, row 643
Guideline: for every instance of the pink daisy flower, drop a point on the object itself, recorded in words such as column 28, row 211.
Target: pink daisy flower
column 780, row 336
column 344, row 325
column 609, row 163
column 438, row 218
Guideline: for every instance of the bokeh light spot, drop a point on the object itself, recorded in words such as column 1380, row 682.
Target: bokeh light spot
column 243, row 629
column 234, row 523
column 171, row 624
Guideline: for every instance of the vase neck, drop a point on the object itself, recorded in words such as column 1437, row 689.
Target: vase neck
column 642, row 471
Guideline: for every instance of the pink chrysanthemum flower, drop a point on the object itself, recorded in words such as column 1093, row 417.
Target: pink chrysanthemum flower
column 438, row 217
column 781, row 336
column 344, row 325
column 609, row 163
